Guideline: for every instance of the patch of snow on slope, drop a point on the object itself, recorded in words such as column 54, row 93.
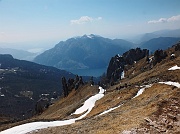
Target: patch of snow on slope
column 2, row 95
column 90, row 103
column 171, row 83
column 122, row 75
column 109, row 110
column 174, row 68
column 89, row 36
column 142, row 90
column 138, row 93
column 29, row 127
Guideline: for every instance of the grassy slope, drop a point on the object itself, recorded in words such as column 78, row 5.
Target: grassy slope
column 132, row 114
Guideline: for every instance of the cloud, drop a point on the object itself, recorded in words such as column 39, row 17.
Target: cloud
column 85, row 19
column 99, row 18
column 165, row 20
column 174, row 18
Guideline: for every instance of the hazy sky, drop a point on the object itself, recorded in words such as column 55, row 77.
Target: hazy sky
column 55, row 20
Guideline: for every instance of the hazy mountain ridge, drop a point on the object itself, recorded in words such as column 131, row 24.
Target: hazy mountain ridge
column 159, row 43
column 18, row 54
column 161, row 33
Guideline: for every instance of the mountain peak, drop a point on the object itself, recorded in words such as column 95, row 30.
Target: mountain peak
column 89, row 36
column 86, row 36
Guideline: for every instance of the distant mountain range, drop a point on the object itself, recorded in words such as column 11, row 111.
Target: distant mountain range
column 85, row 52
column 161, row 33
column 91, row 53
column 18, row 54
column 159, row 43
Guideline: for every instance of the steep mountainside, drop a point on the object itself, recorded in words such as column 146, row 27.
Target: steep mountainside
column 22, row 83
column 86, row 52
column 159, row 43
column 145, row 101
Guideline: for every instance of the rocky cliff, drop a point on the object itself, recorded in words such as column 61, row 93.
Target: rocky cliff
column 117, row 63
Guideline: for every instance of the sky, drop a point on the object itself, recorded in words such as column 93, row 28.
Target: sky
column 38, row 22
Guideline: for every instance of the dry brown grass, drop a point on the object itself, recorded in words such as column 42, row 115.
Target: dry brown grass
column 130, row 115
column 68, row 105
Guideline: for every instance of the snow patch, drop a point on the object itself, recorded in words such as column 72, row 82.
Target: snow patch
column 122, row 75
column 174, row 68
column 90, row 103
column 29, row 127
column 151, row 59
column 109, row 110
column 34, row 126
column 138, row 93
column 90, row 36
column 142, row 90
column 2, row 95
column 171, row 83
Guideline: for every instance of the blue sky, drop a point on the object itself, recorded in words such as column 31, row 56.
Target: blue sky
column 55, row 20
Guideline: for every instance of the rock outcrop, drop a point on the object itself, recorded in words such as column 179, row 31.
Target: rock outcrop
column 159, row 55
column 117, row 63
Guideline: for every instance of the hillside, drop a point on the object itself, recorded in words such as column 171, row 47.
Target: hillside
column 83, row 53
column 22, row 84
column 145, row 101
column 159, row 43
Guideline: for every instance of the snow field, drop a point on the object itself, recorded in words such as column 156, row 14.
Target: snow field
column 176, row 84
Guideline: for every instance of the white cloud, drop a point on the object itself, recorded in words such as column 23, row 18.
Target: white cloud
column 165, row 20
column 84, row 19
column 174, row 18
column 99, row 18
